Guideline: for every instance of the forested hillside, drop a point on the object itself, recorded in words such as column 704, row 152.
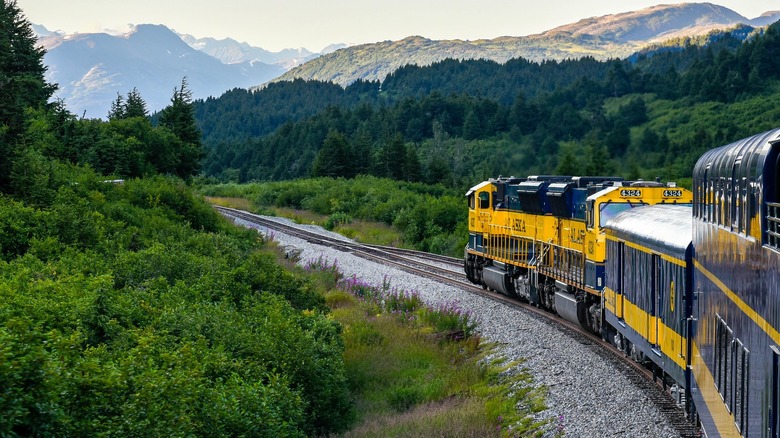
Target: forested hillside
column 457, row 122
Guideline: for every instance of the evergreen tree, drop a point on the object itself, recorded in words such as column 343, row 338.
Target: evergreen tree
column 412, row 170
column 333, row 158
column 471, row 127
column 117, row 110
column 599, row 162
column 22, row 82
column 391, row 157
column 618, row 139
column 361, row 151
column 439, row 172
column 649, row 141
column 634, row 112
column 135, row 105
column 179, row 118
column 568, row 164
column 618, row 82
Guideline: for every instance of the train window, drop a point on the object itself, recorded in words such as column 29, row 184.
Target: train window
column 472, row 202
column 731, row 372
column 742, row 207
column 484, row 200
column 703, row 199
column 750, row 207
column 721, row 202
column 715, row 202
column 724, row 339
column 773, row 224
column 710, row 201
column 741, row 386
column 733, row 195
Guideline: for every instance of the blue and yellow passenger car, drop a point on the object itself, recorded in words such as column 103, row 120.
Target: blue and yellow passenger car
column 736, row 235
column 648, row 295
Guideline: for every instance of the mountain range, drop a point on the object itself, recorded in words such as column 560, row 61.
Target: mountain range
column 609, row 36
column 91, row 69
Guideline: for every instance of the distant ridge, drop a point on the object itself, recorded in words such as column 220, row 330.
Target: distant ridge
column 609, row 36
column 230, row 51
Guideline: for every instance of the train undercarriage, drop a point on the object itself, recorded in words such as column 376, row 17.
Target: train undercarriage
column 573, row 304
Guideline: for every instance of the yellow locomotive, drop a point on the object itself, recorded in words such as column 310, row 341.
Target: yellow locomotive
column 542, row 238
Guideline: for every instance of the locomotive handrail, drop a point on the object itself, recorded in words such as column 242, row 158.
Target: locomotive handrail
column 504, row 243
column 773, row 224
column 567, row 264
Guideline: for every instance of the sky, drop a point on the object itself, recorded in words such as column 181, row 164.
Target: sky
column 314, row 24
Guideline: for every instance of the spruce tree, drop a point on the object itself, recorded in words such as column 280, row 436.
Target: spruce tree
column 22, row 82
column 117, row 110
column 179, row 118
column 568, row 163
column 333, row 158
column 135, row 105
column 394, row 156
column 412, row 168
column 361, row 151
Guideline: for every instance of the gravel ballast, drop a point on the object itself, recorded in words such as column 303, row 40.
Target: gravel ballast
column 587, row 396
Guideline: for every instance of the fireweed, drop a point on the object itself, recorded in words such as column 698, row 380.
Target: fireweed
column 321, row 265
column 446, row 317
column 449, row 317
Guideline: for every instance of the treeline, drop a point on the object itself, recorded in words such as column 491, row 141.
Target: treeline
column 468, row 119
column 131, row 308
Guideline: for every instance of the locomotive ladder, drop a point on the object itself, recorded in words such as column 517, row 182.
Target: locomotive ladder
column 773, row 224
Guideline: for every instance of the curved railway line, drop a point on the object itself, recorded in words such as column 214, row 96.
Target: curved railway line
column 449, row 270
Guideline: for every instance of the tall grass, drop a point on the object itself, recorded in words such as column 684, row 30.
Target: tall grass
column 422, row 371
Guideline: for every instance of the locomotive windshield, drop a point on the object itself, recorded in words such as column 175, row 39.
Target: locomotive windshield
column 609, row 210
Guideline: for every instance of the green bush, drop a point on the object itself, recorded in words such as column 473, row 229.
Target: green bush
column 135, row 309
column 19, row 225
column 337, row 219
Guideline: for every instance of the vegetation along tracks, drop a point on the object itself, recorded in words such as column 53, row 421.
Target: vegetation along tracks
column 449, row 270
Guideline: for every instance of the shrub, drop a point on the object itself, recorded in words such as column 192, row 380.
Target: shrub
column 135, row 312
column 450, row 319
column 336, row 220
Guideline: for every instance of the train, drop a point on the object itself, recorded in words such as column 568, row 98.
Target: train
column 684, row 281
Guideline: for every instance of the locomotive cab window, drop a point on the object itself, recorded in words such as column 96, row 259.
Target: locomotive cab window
column 484, row 200
column 472, row 202
column 589, row 213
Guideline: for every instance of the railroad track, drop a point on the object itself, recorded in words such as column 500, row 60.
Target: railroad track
column 449, row 270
